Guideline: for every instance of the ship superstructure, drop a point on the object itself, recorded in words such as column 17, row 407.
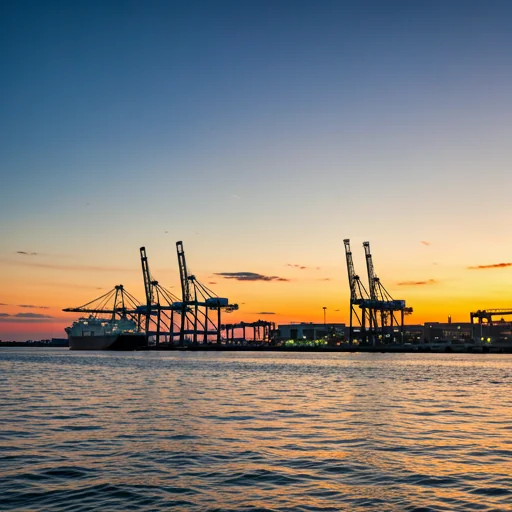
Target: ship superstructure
column 102, row 334
column 119, row 331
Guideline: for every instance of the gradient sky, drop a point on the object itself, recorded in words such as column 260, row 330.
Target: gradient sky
column 261, row 133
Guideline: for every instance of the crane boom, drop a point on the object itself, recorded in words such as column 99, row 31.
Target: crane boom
column 358, row 292
column 352, row 277
column 372, row 278
column 147, row 277
column 185, row 290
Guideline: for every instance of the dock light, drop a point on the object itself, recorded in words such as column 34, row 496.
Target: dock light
column 488, row 340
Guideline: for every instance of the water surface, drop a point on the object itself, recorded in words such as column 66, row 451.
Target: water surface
column 254, row 431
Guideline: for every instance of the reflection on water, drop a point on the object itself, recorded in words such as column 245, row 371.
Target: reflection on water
column 248, row 431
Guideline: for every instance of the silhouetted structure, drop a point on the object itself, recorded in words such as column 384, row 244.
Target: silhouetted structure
column 196, row 306
column 116, row 304
column 377, row 316
column 160, row 306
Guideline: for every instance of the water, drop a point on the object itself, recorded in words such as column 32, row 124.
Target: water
column 248, row 431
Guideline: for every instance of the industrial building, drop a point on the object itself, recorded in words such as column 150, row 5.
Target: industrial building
column 448, row 331
column 310, row 331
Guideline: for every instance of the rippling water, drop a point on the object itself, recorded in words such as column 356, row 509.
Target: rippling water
column 250, row 431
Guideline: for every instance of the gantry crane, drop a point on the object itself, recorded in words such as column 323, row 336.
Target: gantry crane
column 382, row 307
column 488, row 314
column 116, row 303
column 358, row 297
column 197, row 302
column 486, row 318
column 160, row 305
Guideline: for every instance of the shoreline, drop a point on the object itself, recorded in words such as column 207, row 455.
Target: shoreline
column 414, row 349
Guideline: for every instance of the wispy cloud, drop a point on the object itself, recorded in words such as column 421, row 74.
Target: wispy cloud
column 25, row 253
column 72, row 285
column 31, row 306
column 494, row 265
column 300, row 267
column 2, row 304
column 324, row 279
column 84, row 268
column 31, row 315
column 425, row 242
column 266, row 313
column 417, row 283
column 24, row 317
column 212, row 282
column 249, row 276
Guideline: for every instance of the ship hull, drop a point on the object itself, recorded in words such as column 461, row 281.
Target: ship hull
column 108, row 342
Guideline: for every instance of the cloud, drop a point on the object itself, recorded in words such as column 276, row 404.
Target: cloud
column 24, row 317
column 212, row 282
column 249, row 276
column 72, row 285
column 425, row 243
column 25, row 253
column 32, row 306
column 417, row 283
column 324, row 279
column 300, row 267
column 2, row 304
column 266, row 313
column 495, row 265
column 336, row 310
column 84, row 268
column 31, row 315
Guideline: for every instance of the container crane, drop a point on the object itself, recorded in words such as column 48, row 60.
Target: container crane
column 358, row 296
column 383, row 307
column 159, row 303
column 117, row 303
column 148, row 287
column 486, row 318
column 197, row 302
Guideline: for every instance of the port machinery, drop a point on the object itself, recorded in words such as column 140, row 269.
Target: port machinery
column 117, row 303
column 263, row 331
column 166, row 318
column 200, row 307
column 159, row 309
column 195, row 317
column 486, row 317
column 378, row 311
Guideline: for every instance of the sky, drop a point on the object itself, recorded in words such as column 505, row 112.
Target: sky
column 261, row 134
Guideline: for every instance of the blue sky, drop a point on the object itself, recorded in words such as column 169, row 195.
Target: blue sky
column 260, row 133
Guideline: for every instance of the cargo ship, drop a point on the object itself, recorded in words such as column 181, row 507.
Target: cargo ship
column 94, row 333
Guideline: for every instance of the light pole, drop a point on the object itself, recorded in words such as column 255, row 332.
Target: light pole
column 324, row 308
